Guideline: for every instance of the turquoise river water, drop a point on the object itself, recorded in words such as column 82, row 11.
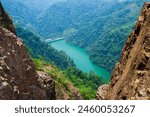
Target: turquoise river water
column 80, row 58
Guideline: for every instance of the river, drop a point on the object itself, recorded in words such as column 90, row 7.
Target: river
column 80, row 58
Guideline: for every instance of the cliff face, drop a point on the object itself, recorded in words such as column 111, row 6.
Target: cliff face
column 5, row 20
column 131, row 76
column 18, row 78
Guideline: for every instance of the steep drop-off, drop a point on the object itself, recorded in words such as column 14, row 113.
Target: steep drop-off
column 131, row 76
column 18, row 78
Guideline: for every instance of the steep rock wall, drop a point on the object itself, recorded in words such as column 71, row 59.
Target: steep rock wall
column 131, row 76
column 5, row 20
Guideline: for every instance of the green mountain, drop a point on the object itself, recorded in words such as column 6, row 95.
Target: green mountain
column 105, row 31
column 99, row 26
column 40, row 49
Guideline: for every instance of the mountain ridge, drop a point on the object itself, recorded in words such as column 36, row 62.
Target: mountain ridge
column 99, row 26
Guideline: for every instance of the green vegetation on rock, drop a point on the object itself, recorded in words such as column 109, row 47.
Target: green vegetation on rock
column 86, row 84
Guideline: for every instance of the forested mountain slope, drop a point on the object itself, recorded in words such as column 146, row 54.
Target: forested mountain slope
column 103, row 33
column 99, row 26
column 40, row 49
column 40, row 4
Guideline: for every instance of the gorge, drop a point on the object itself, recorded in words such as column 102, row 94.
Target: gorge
column 95, row 32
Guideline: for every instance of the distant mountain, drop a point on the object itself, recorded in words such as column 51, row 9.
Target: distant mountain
column 99, row 26
column 72, row 14
column 105, row 30
column 20, row 13
column 37, row 4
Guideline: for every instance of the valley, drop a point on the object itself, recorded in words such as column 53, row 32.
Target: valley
column 71, row 48
column 100, row 27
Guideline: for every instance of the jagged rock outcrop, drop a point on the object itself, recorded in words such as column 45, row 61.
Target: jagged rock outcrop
column 18, row 78
column 131, row 76
column 102, row 92
column 61, row 93
column 5, row 20
column 47, row 84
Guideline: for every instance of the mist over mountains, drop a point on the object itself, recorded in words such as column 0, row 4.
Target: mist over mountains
column 39, row 4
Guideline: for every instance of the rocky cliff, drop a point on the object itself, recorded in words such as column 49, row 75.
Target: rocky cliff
column 5, row 20
column 18, row 78
column 131, row 76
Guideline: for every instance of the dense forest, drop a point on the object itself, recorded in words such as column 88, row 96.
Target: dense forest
column 40, row 49
column 99, row 26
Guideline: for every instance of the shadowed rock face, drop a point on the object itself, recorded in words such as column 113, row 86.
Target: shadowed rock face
column 5, row 20
column 18, row 78
column 131, row 76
